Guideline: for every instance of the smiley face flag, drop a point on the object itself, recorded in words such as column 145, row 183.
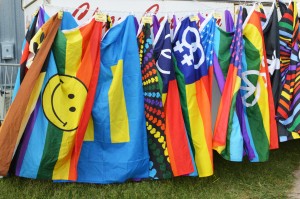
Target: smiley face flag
column 23, row 104
column 53, row 145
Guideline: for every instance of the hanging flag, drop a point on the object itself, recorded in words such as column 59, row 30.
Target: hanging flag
column 222, row 55
column 155, row 116
column 115, row 148
column 12, row 126
column 229, row 21
column 228, row 139
column 192, row 76
column 35, row 119
column 291, row 87
column 271, row 38
column 177, row 141
column 207, row 30
column 255, row 90
column 66, row 101
column 288, row 35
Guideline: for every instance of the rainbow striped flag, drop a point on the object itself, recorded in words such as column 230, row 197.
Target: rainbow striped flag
column 19, row 112
column 193, row 81
column 66, row 99
column 258, row 117
column 160, row 167
column 228, row 139
column 288, row 36
column 177, row 141
column 115, row 148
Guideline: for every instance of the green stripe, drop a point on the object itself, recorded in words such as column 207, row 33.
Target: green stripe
column 254, row 115
column 286, row 25
column 224, row 51
column 226, row 152
column 181, row 87
column 51, row 152
column 59, row 51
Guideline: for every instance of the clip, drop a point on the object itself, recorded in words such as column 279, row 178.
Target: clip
column 101, row 17
column 60, row 14
column 36, row 12
column 147, row 19
column 194, row 18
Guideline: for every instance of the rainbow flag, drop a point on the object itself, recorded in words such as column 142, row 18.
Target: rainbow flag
column 160, row 167
column 192, row 77
column 68, row 22
column 177, row 141
column 228, row 139
column 288, row 36
column 66, row 99
column 207, row 30
column 258, row 118
column 18, row 114
column 115, row 147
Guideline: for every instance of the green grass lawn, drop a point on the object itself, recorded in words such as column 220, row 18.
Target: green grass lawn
column 272, row 179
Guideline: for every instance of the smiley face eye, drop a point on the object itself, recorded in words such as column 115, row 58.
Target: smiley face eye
column 71, row 96
column 72, row 109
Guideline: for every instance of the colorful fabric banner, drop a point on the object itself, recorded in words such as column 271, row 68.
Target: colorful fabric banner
column 288, row 36
column 259, row 117
column 228, row 140
column 192, row 76
column 177, row 141
column 160, row 167
column 115, row 148
column 15, row 120
column 67, row 95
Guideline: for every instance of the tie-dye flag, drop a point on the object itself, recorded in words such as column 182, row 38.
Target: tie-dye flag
column 160, row 167
column 192, row 76
column 288, row 36
column 67, row 96
column 228, row 140
column 115, row 148
column 259, row 113
column 177, row 141
column 18, row 114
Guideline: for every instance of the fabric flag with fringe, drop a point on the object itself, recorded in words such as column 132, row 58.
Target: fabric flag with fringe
column 193, row 81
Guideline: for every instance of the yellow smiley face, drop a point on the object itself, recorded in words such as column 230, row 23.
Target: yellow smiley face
column 63, row 100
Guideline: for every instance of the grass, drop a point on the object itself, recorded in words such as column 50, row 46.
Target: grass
column 272, row 179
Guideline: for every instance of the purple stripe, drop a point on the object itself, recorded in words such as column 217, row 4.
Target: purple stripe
column 296, row 99
column 240, row 110
column 26, row 136
column 174, row 22
column 41, row 17
column 229, row 21
column 201, row 17
column 155, row 25
column 218, row 73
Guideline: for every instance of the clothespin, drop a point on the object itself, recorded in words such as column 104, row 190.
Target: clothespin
column 100, row 17
column 60, row 14
column 36, row 11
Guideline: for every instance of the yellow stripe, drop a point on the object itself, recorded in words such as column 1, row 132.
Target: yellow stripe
column 297, row 78
column 62, row 166
column 263, row 104
column 73, row 47
column 285, row 95
column 31, row 104
column 89, row 134
column 119, row 126
column 295, row 135
column 202, row 157
column 164, row 97
column 254, row 36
